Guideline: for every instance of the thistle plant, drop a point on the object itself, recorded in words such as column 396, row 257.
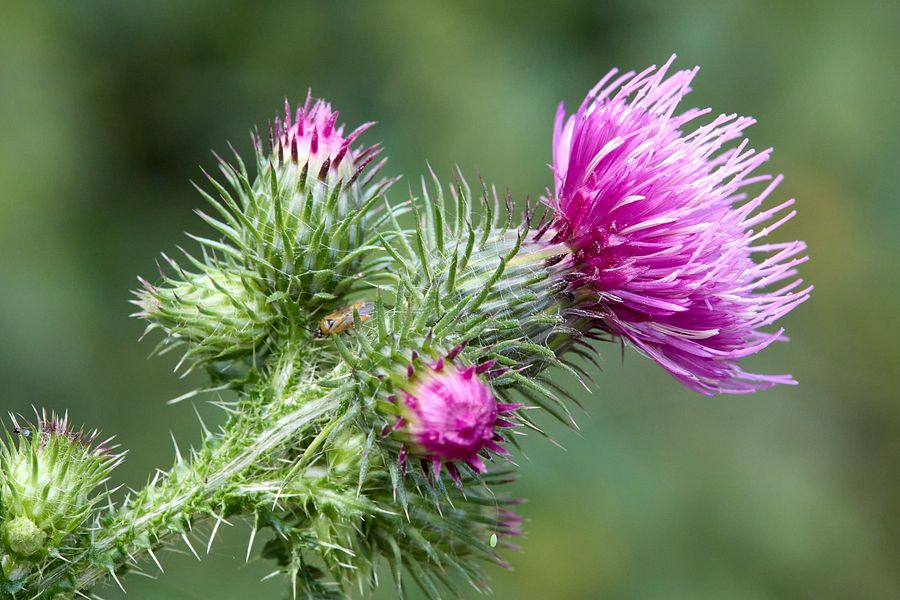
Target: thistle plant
column 384, row 353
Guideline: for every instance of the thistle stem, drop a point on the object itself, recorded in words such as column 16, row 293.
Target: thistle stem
column 179, row 493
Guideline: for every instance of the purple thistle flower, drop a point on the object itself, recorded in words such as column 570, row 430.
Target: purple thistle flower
column 450, row 416
column 663, row 230
column 311, row 134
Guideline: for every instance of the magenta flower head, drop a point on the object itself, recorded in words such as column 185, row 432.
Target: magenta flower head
column 664, row 232
column 448, row 415
column 311, row 135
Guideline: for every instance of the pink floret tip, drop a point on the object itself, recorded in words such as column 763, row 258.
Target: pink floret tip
column 311, row 134
column 54, row 425
column 450, row 417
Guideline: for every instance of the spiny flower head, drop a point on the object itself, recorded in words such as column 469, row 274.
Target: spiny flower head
column 311, row 135
column 218, row 311
column 449, row 415
column 46, row 481
column 663, row 230
column 307, row 221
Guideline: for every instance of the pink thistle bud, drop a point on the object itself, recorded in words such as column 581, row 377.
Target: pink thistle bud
column 449, row 415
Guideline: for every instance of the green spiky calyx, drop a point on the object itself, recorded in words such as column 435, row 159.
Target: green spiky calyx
column 307, row 221
column 218, row 311
column 469, row 285
column 48, row 484
column 438, row 537
column 307, row 232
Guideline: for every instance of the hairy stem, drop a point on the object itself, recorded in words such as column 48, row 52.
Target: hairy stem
column 138, row 519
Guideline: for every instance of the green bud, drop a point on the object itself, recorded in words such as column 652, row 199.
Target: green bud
column 23, row 536
column 47, row 477
column 221, row 311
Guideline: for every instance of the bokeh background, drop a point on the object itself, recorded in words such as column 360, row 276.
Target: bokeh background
column 107, row 110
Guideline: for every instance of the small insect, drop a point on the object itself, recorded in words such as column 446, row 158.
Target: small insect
column 493, row 540
column 23, row 431
column 341, row 320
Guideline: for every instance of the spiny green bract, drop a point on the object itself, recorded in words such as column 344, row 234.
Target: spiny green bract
column 483, row 287
column 49, row 475
column 337, row 519
column 308, row 234
column 219, row 311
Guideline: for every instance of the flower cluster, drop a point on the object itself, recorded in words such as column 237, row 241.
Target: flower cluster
column 331, row 321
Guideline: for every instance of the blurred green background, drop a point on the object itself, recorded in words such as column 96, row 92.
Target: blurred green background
column 108, row 108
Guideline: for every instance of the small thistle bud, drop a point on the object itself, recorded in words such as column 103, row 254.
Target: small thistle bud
column 448, row 415
column 46, row 481
column 219, row 312
column 305, row 223
column 24, row 537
